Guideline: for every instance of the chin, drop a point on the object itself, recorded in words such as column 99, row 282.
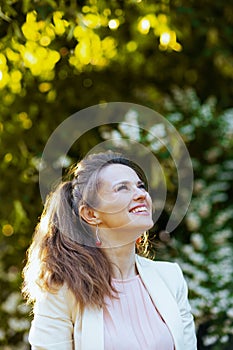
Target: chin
column 145, row 227
column 150, row 225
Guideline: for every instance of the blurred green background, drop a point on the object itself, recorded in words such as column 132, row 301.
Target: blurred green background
column 176, row 57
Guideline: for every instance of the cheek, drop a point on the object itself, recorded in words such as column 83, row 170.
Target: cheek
column 119, row 200
column 118, row 205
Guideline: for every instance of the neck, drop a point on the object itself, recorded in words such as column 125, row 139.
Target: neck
column 123, row 260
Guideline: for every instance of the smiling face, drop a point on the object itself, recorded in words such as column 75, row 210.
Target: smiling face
column 124, row 205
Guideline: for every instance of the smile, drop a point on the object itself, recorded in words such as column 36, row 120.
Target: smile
column 141, row 209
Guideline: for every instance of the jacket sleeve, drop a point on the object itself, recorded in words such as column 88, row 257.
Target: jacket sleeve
column 52, row 326
column 185, row 312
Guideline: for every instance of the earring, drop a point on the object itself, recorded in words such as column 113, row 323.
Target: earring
column 98, row 241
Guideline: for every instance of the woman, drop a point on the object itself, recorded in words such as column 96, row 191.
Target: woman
column 91, row 291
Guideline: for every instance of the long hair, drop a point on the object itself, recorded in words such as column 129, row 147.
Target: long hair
column 63, row 249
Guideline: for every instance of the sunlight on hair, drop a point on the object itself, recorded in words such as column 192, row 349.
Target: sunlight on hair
column 142, row 245
column 44, row 223
column 31, row 273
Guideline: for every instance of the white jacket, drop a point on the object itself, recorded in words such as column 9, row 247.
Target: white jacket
column 58, row 324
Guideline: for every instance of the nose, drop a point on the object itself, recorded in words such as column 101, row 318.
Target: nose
column 139, row 193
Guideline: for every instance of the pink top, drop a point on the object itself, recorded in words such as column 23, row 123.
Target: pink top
column 132, row 321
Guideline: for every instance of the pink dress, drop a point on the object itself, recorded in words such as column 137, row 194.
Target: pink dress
column 132, row 321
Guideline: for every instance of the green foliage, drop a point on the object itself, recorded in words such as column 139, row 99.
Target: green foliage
column 57, row 57
column 203, row 247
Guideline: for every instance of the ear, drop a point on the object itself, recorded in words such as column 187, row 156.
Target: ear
column 89, row 215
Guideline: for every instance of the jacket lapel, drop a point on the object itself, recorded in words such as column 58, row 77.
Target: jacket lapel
column 162, row 298
column 92, row 337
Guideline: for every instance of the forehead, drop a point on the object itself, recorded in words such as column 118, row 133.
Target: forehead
column 117, row 172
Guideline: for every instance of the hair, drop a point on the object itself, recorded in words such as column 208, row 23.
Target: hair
column 63, row 249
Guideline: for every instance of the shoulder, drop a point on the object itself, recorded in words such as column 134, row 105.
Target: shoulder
column 162, row 266
column 60, row 302
column 170, row 272
column 60, row 293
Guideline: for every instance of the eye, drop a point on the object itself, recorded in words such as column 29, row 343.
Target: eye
column 122, row 187
column 142, row 185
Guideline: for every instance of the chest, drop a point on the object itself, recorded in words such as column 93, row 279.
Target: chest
column 131, row 320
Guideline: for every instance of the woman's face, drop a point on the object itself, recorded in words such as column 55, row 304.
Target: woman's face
column 123, row 203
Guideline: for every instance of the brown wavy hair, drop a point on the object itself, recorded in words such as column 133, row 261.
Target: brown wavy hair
column 63, row 249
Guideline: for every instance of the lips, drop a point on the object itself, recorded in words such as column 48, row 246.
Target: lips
column 139, row 209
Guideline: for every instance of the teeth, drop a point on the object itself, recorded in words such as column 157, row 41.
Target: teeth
column 140, row 209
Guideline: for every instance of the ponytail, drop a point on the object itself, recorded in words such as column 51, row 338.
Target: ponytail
column 63, row 252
